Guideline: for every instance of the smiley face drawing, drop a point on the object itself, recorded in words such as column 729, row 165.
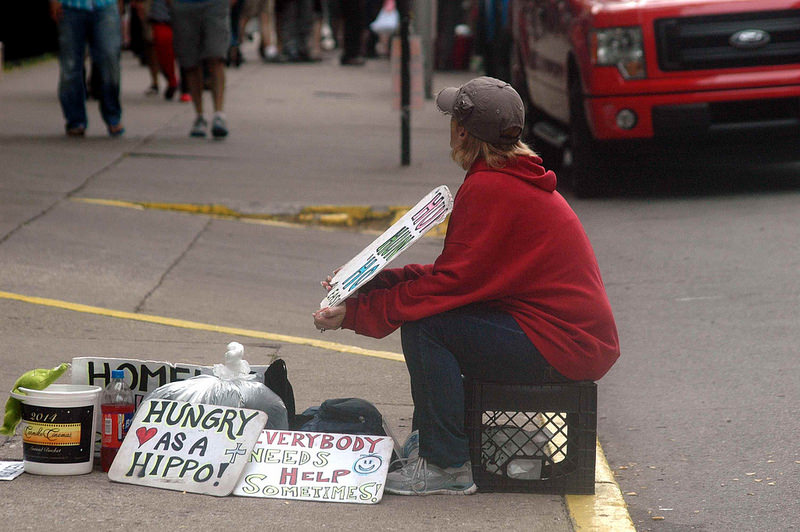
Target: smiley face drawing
column 367, row 463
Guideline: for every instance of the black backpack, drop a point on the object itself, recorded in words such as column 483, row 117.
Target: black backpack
column 343, row 416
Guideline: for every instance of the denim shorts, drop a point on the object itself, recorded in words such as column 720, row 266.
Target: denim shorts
column 202, row 30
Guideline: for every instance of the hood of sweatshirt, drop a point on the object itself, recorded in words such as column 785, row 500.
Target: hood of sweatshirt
column 526, row 168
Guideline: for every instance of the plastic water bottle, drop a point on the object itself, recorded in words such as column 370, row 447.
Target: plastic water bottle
column 117, row 405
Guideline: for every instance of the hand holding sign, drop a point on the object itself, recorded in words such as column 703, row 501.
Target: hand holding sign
column 429, row 212
column 329, row 318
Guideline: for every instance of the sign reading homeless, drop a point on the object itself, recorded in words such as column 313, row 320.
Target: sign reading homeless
column 317, row 467
column 182, row 446
column 143, row 376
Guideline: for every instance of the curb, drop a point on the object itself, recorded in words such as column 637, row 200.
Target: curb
column 606, row 509
column 361, row 217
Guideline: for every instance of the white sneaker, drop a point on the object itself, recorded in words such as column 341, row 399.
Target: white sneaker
column 218, row 127
column 199, row 127
column 418, row 477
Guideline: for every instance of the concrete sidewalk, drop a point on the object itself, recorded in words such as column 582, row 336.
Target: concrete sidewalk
column 291, row 127
column 300, row 135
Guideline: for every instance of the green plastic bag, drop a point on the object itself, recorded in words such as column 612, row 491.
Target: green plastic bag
column 35, row 379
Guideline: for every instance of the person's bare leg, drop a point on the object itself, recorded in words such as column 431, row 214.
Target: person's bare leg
column 315, row 44
column 194, row 77
column 265, row 29
column 152, row 66
column 243, row 20
column 217, row 69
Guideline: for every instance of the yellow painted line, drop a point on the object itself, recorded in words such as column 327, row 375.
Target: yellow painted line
column 316, row 215
column 606, row 509
column 185, row 324
column 214, row 210
column 110, row 203
column 208, row 210
column 345, row 215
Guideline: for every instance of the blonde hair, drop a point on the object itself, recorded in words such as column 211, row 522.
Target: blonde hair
column 495, row 155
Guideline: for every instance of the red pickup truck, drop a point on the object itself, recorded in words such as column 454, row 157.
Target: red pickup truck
column 615, row 83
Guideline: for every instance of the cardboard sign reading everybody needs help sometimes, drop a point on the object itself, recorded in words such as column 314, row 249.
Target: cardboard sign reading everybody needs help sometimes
column 182, row 446
column 314, row 466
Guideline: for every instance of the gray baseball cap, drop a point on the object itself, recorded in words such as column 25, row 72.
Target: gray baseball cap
column 486, row 107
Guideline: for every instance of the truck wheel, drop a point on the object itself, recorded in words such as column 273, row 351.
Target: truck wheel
column 551, row 156
column 584, row 159
column 520, row 84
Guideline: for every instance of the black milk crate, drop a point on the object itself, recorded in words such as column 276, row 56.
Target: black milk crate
column 532, row 438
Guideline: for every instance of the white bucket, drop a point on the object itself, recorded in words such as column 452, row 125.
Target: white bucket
column 58, row 428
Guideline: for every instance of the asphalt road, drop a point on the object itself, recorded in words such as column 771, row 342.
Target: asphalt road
column 699, row 418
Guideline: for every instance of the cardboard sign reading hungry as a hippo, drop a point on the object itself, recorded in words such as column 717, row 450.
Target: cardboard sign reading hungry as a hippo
column 182, row 446
column 317, row 467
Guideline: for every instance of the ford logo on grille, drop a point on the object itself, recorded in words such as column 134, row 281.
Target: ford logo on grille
column 749, row 39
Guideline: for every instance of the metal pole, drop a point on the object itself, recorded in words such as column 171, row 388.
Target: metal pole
column 403, row 9
column 425, row 22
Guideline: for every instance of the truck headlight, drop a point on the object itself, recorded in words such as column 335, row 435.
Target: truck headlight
column 619, row 47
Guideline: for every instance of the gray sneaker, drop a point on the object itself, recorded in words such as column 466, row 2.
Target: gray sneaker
column 218, row 127
column 199, row 127
column 418, row 477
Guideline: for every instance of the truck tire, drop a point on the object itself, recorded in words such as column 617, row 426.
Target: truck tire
column 520, row 84
column 551, row 156
column 585, row 162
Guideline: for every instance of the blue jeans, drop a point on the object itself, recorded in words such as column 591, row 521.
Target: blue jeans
column 236, row 17
column 100, row 29
column 472, row 341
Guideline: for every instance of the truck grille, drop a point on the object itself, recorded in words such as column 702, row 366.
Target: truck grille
column 777, row 117
column 695, row 43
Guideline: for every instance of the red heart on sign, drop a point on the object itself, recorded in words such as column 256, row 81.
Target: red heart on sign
column 145, row 434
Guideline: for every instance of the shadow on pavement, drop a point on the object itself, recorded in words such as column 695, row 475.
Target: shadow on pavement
column 710, row 180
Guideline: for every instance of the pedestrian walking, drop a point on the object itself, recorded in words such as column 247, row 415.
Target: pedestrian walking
column 295, row 19
column 202, row 35
column 516, row 295
column 95, row 23
column 235, row 57
column 159, row 17
column 353, row 13
column 264, row 11
column 141, row 9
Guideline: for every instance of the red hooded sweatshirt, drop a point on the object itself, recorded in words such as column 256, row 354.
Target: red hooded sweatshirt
column 514, row 244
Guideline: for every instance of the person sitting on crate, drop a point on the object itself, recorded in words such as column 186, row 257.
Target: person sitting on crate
column 516, row 295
